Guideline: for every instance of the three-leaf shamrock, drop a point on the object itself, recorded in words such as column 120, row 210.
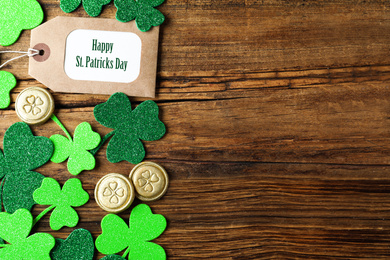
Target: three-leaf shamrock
column 130, row 126
column 23, row 152
column 79, row 245
column 92, row 7
column 77, row 150
column 15, row 229
column 72, row 195
column 18, row 15
column 7, row 83
column 144, row 227
column 142, row 11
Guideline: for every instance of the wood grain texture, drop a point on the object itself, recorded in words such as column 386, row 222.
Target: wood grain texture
column 278, row 143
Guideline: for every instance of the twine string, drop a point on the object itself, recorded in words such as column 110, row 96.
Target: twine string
column 30, row 53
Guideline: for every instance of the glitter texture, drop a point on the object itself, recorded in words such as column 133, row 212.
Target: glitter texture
column 23, row 152
column 18, row 15
column 92, row 7
column 144, row 226
column 130, row 126
column 79, row 245
column 15, row 229
column 77, row 150
column 142, row 11
column 7, row 83
column 71, row 195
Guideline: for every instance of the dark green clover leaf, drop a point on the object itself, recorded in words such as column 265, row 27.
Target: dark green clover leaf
column 142, row 11
column 71, row 195
column 23, row 152
column 92, row 7
column 79, row 245
column 15, row 229
column 77, row 150
column 130, row 126
column 144, row 227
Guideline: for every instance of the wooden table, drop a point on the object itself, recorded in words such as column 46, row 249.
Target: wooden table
column 278, row 143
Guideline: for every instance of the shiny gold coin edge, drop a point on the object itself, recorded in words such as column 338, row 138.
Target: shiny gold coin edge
column 48, row 114
column 126, row 206
column 159, row 196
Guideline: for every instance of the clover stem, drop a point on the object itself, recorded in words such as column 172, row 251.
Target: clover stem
column 42, row 214
column 126, row 252
column 94, row 151
column 58, row 122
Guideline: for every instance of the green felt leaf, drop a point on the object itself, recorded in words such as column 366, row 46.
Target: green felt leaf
column 23, row 152
column 115, row 235
column 77, row 150
column 142, row 10
column 92, row 7
column 7, row 83
column 18, row 15
column 79, row 245
column 15, row 229
column 19, row 188
column 130, row 126
column 72, row 195
column 144, row 226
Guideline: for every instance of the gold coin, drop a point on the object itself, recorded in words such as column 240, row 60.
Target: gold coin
column 150, row 181
column 34, row 105
column 114, row 193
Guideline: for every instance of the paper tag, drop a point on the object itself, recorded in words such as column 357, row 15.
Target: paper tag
column 94, row 55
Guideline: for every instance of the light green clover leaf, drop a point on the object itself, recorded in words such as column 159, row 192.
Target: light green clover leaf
column 142, row 11
column 92, row 7
column 130, row 126
column 144, row 227
column 77, row 150
column 15, row 229
column 71, row 195
column 7, row 83
column 18, row 15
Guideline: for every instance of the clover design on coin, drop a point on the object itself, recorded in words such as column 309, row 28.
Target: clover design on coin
column 147, row 179
column 150, row 181
column 114, row 193
column 34, row 105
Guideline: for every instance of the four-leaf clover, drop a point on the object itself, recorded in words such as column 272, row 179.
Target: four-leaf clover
column 144, row 227
column 92, row 7
column 77, row 150
column 71, row 195
column 15, row 229
column 23, row 152
column 130, row 126
column 7, row 83
column 18, row 15
column 142, row 11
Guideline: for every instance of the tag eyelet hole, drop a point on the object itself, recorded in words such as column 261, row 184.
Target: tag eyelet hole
column 44, row 52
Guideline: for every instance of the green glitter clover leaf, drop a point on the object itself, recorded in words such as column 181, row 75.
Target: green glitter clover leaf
column 79, row 245
column 23, row 152
column 7, row 83
column 144, row 227
column 18, row 15
column 77, row 150
column 130, row 126
column 142, row 11
column 71, row 195
column 92, row 7
column 15, row 229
